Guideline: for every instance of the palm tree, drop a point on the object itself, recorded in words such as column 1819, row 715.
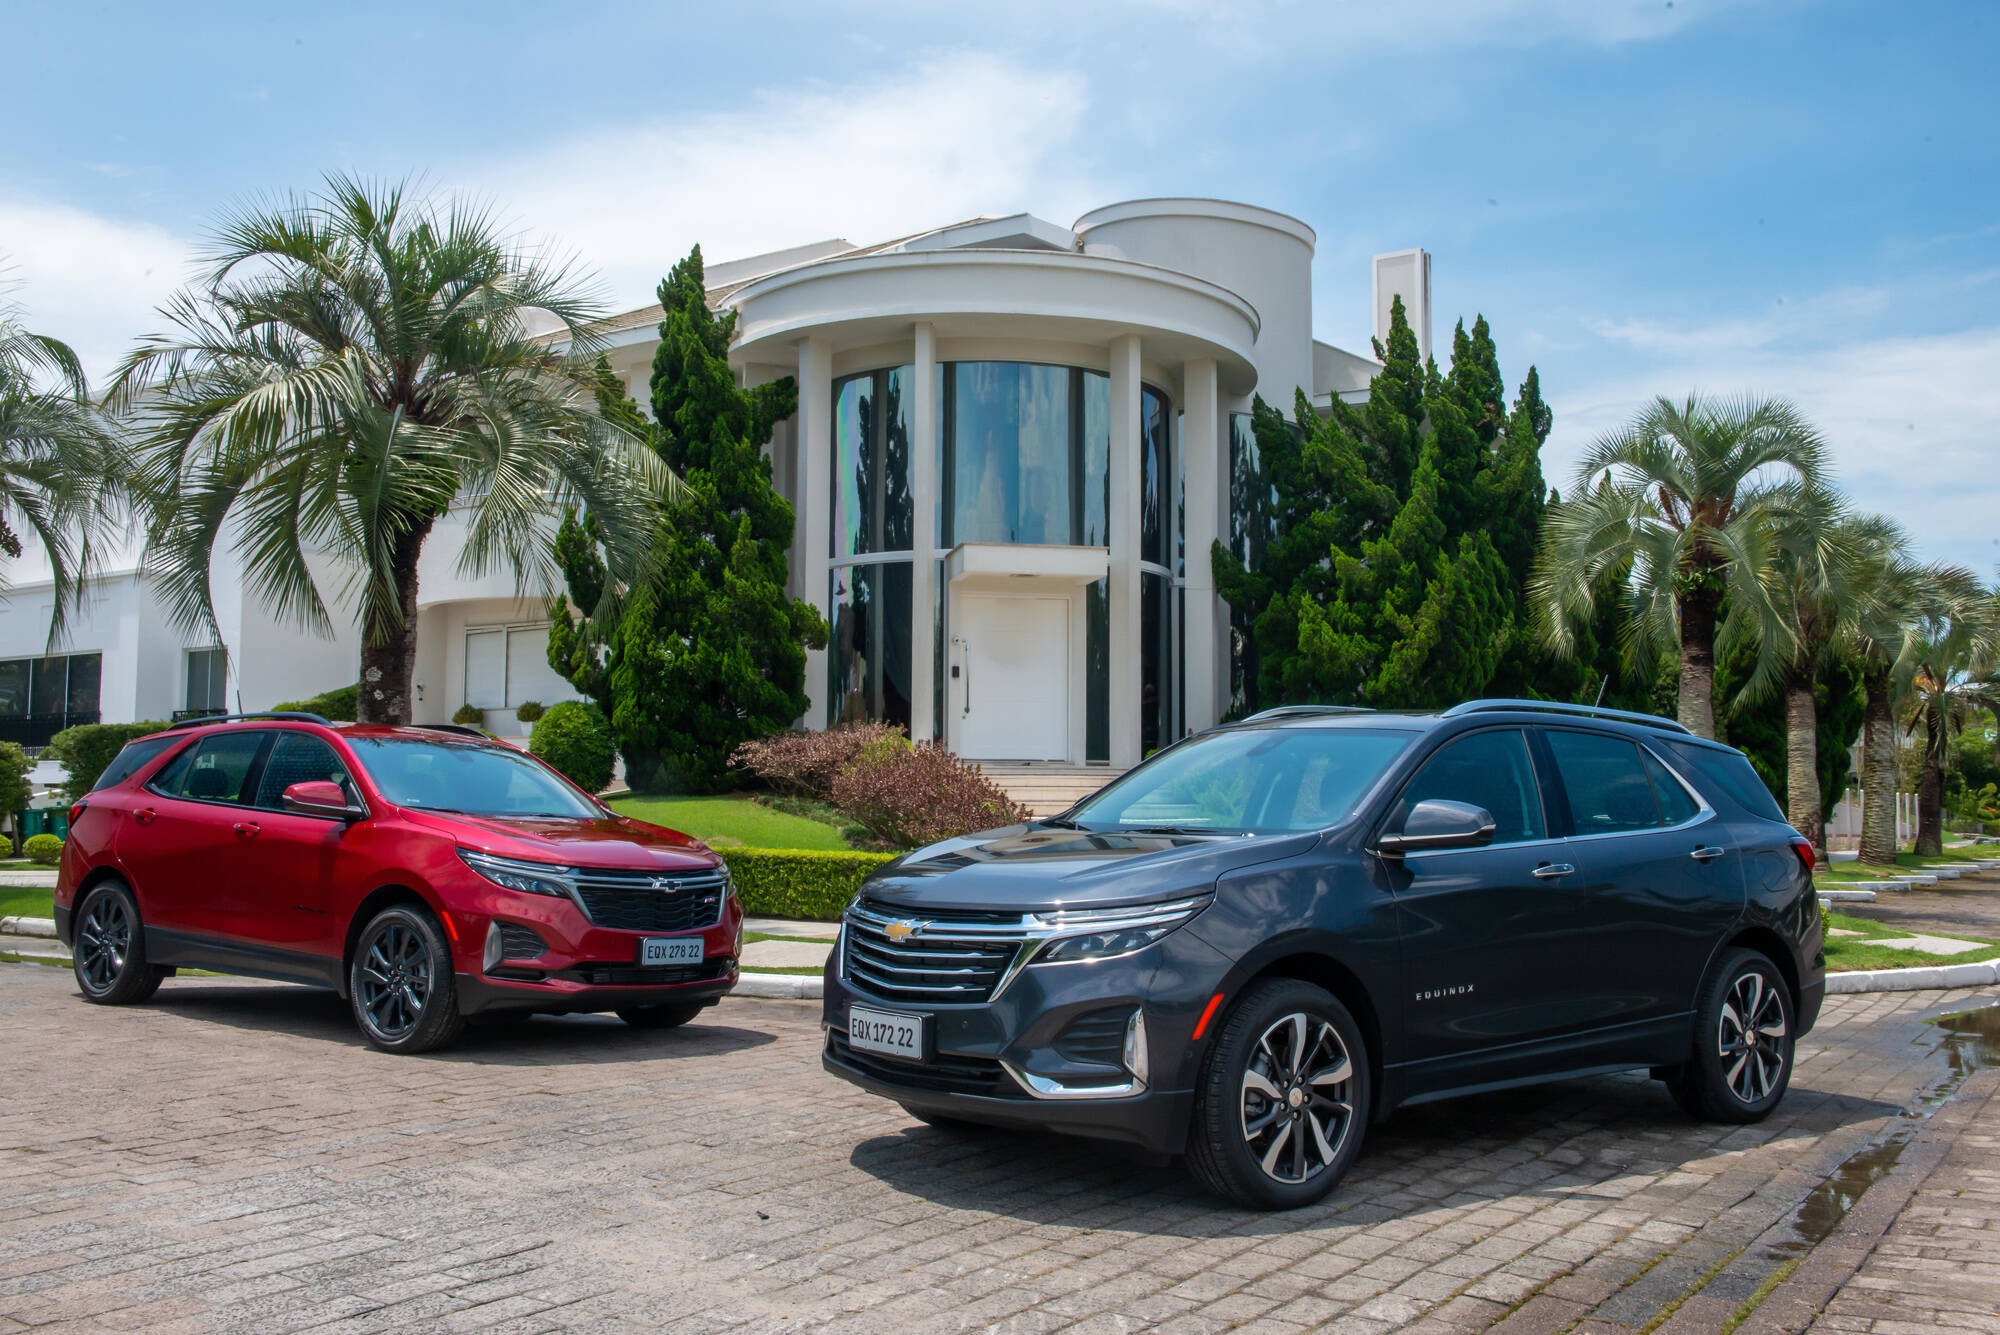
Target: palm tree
column 1896, row 596
column 1686, row 497
column 55, row 462
column 348, row 367
column 1949, row 663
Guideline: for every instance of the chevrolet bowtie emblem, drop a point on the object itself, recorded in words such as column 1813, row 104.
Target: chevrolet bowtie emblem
column 664, row 883
column 900, row 931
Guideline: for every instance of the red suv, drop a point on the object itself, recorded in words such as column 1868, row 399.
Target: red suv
column 424, row 873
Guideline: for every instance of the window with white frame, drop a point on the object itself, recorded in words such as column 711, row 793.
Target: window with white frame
column 507, row 666
column 207, row 681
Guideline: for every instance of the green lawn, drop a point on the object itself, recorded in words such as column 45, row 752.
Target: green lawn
column 26, row 902
column 733, row 822
column 1847, row 952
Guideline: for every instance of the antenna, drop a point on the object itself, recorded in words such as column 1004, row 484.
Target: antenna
column 1602, row 682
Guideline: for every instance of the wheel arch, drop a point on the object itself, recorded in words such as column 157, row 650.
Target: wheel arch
column 1770, row 945
column 1324, row 970
column 372, row 903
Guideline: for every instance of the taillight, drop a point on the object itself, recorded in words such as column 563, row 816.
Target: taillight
column 1803, row 847
column 75, row 810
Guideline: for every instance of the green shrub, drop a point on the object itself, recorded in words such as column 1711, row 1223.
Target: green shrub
column 15, row 789
column 340, row 704
column 530, row 711
column 574, row 738
column 88, row 748
column 798, row 884
column 44, row 849
column 469, row 716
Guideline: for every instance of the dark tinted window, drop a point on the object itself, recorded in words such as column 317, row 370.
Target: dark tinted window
column 1676, row 806
column 1487, row 769
column 217, row 769
column 1608, row 788
column 1728, row 773
column 131, row 760
column 297, row 757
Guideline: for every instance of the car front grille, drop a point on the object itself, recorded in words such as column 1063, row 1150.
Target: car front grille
column 1098, row 1037
column 943, row 958
column 641, row 901
column 647, row 975
column 944, row 1074
column 519, row 942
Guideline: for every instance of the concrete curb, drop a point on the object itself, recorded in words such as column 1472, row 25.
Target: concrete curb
column 1849, row 895
column 28, row 927
column 779, row 986
column 1915, row 980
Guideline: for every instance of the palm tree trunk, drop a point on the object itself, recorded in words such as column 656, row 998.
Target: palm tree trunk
column 1802, row 799
column 389, row 660
column 1698, row 609
column 1878, row 773
column 1930, row 789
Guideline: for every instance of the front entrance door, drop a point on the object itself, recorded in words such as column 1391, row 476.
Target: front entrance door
column 1012, row 686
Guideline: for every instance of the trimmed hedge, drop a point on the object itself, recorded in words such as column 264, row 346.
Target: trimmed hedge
column 574, row 739
column 44, row 850
column 783, row 883
column 340, row 704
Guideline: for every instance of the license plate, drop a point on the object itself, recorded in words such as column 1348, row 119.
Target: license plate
column 671, row 950
column 886, row 1032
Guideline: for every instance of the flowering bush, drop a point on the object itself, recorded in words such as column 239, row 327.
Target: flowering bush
column 805, row 764
column 916, row 795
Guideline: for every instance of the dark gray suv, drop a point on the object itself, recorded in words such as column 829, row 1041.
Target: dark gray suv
column 1273, row 932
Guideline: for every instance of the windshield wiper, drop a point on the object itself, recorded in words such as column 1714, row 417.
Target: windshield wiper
column 1059, row 823
column 1168, row 829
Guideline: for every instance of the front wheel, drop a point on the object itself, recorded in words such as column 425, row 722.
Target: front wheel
column 110, row 954
column 1282, row 1103
column 400, row 983
column 1743, row 1045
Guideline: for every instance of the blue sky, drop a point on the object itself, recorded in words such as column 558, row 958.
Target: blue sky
column 1794, row 197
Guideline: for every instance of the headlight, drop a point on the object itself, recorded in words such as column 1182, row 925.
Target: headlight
column 530, row 878
column 1102, row 934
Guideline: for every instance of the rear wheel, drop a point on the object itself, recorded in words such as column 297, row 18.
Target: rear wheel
column 110, row 954
column 400, row 983
column 1743, row 1044
column 671, row 1016
column 1282, row 1103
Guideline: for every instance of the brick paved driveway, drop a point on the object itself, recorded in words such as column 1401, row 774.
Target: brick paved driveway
column 231, row 1158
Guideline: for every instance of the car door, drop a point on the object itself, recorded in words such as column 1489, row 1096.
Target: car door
column 187, row 840
column 293, row 861
column 1487, row 932
column 1655, row 874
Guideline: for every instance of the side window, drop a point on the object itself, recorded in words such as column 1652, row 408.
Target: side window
column 1486, row 769
column 1609, row 792
column 1676, row 807
column 295, row 758
column 215, row 770
column 1714, row 770
column 131, row 760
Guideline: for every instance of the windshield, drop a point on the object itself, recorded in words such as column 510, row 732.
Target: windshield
column 1261, row 781
column 465, row 777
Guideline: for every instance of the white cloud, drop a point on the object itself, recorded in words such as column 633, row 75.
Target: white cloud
column 91, row 281
column 959, row 135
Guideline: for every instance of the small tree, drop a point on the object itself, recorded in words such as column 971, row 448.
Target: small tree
column 706, row 651
column 15, row 789
column 86, row 750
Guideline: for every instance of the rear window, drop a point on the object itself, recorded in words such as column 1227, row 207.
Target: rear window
column 131, row 760
column 1728, row 772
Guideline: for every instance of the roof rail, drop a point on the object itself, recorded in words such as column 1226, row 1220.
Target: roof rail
column 1559, row 707
column 464, row 729
column 293, row 715
column 1304, row 711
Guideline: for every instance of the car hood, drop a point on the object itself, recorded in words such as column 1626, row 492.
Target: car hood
column 1027, row 867
column 577, row 841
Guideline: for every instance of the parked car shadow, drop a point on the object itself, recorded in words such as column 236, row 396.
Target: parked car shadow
column 1581, row 1139
column 504, row 1040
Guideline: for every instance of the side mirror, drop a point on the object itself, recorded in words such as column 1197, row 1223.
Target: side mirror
column 320, row 797
column 1438, row 823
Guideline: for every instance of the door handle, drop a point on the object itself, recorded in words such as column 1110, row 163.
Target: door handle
column 144, row 815
column 965, row 692
column 246, row 828
column 1549, row 871
column 1708, row 854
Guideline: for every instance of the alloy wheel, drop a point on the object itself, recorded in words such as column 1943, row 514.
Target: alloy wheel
column 394, row 980
column 1296, row 1108
column 103, row 941
column 1752, row 1039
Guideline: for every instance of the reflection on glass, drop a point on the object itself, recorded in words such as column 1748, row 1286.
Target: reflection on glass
column 1010, row 453
column 85, row 673
column 872, row 463
column 1097, row 671
column 48, row 686
column 13, row 688
column 1155, row 474
column 1156, row 678
column 868, row 659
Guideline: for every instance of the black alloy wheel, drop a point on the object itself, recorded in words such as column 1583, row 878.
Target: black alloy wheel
column 109, row 957
column 1282, row 1105
column 400, row 983
column 1743, row 1043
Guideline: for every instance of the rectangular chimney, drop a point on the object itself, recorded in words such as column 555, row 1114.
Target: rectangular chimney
column 1405, row 274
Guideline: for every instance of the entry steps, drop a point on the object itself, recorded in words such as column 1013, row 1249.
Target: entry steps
column 1045, row 787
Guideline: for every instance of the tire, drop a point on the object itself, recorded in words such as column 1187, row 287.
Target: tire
column 400, row 985
column 1281, row 1105
column 670, row 1016
column 109, row 958
column 1739, row 1072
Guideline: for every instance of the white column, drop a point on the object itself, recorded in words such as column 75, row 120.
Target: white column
column 1199, row 423
column 1123, row 501
column 814, row 464
column 924, row 511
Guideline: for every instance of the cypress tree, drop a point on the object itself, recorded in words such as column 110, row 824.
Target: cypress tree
column 706, row 652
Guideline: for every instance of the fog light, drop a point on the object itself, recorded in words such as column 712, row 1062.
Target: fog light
column 492, row 944
column 1136, row 1059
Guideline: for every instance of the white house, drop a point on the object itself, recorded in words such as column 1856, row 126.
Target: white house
column 1014, row 445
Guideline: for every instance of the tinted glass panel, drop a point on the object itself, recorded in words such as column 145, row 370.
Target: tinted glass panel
column 1676, row 807
column 1728, row 774
column 868, row 654
column 1155, row 474
column 872, row 463
column 206, row 670
column 218, row 769
column 1490, row 770
column 13, row 688
column 131, row 760
column 1608, row 788
column 1262, row 779
column 467, row 777
column 298, row 757
column 49, row 686
column 1026, row 453
column 85, row 673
